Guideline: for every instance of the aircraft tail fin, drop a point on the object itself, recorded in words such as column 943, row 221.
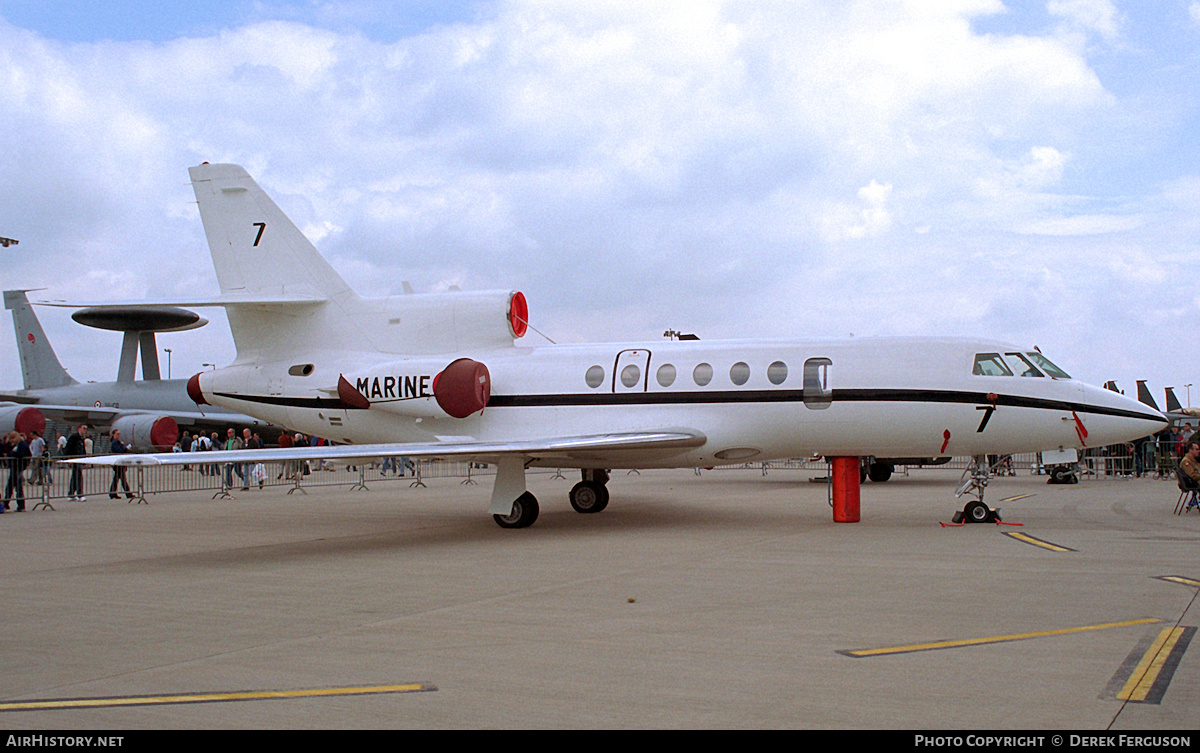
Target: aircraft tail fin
column 40, row 367
column 257, row 251
column 255, row 247
column 1144, row 396
column 1173, row 405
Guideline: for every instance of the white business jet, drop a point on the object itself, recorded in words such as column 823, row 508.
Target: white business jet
column 441, row 375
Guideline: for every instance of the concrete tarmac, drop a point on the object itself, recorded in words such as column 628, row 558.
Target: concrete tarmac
column 728, row 600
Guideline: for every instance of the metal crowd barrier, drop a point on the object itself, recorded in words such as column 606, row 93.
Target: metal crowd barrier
column 45, row 481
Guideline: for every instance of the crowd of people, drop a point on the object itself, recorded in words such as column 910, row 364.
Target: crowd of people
column 28, row 456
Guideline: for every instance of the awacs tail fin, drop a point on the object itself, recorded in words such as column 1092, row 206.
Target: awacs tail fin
column 257, row 251
column 40, row 367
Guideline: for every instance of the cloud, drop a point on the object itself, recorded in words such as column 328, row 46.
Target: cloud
column 631, row 166
column 869, row 218
column 1099, row 16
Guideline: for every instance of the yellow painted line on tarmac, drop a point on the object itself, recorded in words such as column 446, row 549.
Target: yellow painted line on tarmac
column 968, row 642
column 1149, row 678
column 1019, row 496
column 1037, row 542
column 240, row 695
column 1146, row 672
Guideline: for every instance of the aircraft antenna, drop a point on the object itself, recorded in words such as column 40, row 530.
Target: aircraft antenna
column 535, row 329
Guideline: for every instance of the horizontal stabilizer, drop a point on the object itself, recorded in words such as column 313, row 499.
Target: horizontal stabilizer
column 221, row 301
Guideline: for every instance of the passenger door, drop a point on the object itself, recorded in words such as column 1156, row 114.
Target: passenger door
column 631, row 371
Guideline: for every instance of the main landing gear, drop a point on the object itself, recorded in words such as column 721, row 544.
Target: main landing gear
column 588, row 496
column 974, row 481
column 591, row 494
column 524, row 513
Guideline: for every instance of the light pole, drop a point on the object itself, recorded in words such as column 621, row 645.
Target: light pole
column 213, row 365
column 1188, row 387
column 168, row 352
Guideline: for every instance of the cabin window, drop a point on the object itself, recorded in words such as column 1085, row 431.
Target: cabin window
column 777, row 372
column 631, row 375
column 1024, row 365
column 990, row 364
column 594, row 376
column 702, row 374
column 817, row 394
column 1044, row 364
column 301, row 369
column 666, row 375
column 739, row 373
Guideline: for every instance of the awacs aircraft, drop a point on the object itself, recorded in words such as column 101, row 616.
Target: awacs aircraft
column 440, row 375
column 148, row 412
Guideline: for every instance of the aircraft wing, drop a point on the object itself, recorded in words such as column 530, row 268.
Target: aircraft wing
column 13, row 397
column 106, row 414
column 566, row 448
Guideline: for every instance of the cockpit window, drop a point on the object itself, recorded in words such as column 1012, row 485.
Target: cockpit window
column 990, row 364
column 1025, row 365
column 1050, row 369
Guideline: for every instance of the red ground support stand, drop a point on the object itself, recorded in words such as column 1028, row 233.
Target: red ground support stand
column 845, row 479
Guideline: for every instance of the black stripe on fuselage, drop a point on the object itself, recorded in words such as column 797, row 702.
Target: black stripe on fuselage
column 735, row 397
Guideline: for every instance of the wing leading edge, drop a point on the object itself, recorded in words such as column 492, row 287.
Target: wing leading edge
column 564, row 447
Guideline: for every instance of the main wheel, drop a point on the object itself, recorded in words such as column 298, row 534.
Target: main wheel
column 879, row 471
column 524, row 512
column 977, row 512
column 589, row 497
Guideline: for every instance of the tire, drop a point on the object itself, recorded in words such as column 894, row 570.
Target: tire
column 879, row 471
column 977, row 512
column 589, row 497
column 524, row 513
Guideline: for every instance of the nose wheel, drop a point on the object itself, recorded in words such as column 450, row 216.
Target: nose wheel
column 974, row 481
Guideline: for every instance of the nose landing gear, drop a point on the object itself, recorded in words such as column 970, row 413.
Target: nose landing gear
column 974, row 481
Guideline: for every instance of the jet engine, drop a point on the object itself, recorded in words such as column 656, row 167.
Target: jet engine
column 460, row 389
column 146, row 431
column 22, row 418
column 463, row 387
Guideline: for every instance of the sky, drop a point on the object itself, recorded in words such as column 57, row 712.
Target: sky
column 1023, row 171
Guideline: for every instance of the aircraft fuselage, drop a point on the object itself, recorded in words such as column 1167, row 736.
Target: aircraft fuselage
column 752, row 400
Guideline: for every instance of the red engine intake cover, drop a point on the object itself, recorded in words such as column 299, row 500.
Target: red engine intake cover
column 193, row 388
column 463, row 387
column 30, row 419
column 163, row 433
